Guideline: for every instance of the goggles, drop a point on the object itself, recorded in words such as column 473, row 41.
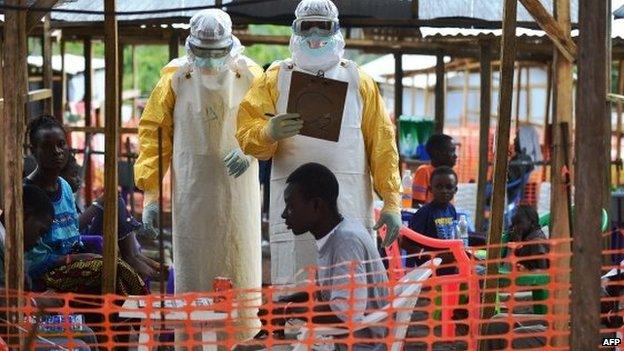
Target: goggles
column 210, row 52
column 311, row 25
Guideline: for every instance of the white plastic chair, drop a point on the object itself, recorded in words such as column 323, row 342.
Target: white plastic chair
column 406, row 292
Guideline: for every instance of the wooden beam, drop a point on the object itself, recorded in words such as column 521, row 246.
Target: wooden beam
column 508, row 55
column 36, row 95
column 559, row 35
column 591, row 112
column 14, row 125
column 111, row 144
column 34, row 17
column 99, row 130
column 439, row 93
column 484, row 132
column 398, row 96
column 39, row 94
column 87, row 48
column 48, row 106
column 559, row 206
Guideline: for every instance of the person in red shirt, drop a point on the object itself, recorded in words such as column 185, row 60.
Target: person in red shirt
column 441, row 150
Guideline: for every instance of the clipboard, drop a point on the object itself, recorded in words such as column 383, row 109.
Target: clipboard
column 320, row 102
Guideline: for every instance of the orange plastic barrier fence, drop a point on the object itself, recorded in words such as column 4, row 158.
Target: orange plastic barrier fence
column 345, row 305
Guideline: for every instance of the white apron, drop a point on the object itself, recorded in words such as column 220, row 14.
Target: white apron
column 346, row 158
column 216, row 218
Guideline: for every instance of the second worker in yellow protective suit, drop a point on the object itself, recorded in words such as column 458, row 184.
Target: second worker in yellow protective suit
column 365, row 156
column 216, row 199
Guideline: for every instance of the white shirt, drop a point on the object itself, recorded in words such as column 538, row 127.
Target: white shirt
column 321, row 242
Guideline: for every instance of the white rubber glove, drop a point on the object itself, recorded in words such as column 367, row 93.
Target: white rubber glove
column 150, row 218
column 236, row 162
column 393, row 223
column 284, row 126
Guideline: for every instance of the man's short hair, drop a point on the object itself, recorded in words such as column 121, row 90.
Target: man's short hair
column 443, row 170
column 436, row 142
column 315, row 180
column 36, row 201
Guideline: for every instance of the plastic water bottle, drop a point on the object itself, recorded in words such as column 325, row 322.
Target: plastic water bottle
column 462, row 229
column 406, row 197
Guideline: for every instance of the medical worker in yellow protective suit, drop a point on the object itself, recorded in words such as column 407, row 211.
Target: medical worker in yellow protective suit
column 365, row 150
column 216, row 201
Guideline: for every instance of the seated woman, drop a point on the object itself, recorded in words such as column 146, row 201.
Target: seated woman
column 37, row 220
column 91, row 223
column 59, row 260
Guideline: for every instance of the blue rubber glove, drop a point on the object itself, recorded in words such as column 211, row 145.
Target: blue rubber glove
column 393, row 224
column 236, row 162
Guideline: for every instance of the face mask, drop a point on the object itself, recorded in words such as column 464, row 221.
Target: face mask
column 210, row 63
column 317, row 46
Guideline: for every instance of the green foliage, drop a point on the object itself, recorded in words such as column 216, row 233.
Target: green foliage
column 151, row 58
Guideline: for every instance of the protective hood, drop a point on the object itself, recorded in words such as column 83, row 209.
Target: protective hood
column 210, row 29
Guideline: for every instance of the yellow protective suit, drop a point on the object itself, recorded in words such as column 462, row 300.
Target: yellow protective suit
column 216, row 218
column 366, row 149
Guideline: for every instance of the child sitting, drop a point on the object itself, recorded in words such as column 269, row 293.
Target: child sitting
column 435, row 219
column 525, row 228
column 91, row 223
column 441, row 149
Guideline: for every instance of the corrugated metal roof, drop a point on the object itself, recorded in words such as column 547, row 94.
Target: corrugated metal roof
column 282, row 10
column 480, row 10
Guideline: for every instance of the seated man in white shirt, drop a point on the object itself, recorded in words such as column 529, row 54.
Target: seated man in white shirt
column 351, row 277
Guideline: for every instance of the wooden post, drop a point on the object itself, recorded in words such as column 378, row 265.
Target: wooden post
column 608, row 66
column 2, row 148
column 120, row 68
column 618, row 130
column 13, row 124
column 47, row 64
column 63, row 82
column 560, row 222
column 439, row 94
column 508, row 54
column 591, row 112
column 484, row 131
column 547, row 112
column 464, row 121
column 174, row 45
column 112, row 145
column 518, row 91
column 398, row 98
column 135, row 81
column 88, row 105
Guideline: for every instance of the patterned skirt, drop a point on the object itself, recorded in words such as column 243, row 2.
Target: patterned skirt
column 85, row 277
